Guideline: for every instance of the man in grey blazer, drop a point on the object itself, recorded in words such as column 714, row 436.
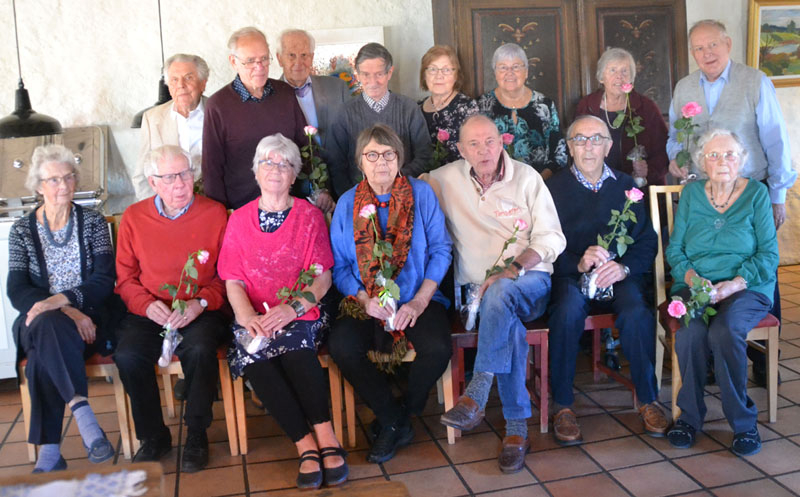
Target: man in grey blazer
column 177, row 122
column 320, row 97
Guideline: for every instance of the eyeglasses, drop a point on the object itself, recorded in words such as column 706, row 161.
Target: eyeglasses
column 728, row 156
column 252, row 61
column 433, row 70
column 269, row 165
column 168, row 179
column 502, row 68
column 580, row 140
column 55, row 181
column 388, row 156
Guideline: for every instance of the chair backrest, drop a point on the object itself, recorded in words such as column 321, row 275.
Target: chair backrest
column 113, row 228
column 666, row 197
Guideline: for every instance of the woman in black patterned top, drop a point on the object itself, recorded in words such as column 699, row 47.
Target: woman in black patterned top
column 446, row 108
column 524, row 113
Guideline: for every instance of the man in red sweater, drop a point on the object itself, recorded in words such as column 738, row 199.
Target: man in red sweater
column 155, row 239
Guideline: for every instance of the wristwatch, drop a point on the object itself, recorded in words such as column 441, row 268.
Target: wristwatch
column 627, row 270
column 203, row 303
column 520, row 269
column 298, row 307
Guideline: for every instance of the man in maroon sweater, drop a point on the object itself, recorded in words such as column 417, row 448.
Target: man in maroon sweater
column 240, row 114
column 156, row 236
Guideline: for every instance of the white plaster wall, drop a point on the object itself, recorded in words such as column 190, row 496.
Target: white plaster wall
column 98, row 62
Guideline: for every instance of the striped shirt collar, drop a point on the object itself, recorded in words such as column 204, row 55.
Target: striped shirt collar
column 607, row 173
column 378, row 105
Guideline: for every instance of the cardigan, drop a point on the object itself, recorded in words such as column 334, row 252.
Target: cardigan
column 584, row 215
column 739, row 242
column 428, row 257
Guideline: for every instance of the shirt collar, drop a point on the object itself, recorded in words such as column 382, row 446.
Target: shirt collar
column 245, row 94
column 197, row 110
column 498, row 177
column 722, row 77
column 607, row 173
column 160, row 208
column 302, row 90
column 378, row 105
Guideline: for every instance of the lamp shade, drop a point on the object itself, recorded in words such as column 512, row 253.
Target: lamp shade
column 163, row 97
column 24, row 121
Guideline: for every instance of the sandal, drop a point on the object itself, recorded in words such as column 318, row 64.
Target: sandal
column 746, row 443
column 313, row 479
column 338, row 475
column 682, row 435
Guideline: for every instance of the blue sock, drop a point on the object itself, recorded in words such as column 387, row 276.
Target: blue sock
column 49, row 455
column 517, row 427
column 479, row 387
column 87, row 423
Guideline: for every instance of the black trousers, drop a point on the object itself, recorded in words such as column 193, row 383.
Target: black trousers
column 350, row 340
column 138, row 348
column 56, row 372
column 293, row 389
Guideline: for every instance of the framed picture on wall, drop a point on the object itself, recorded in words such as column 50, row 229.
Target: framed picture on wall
column 773, row 40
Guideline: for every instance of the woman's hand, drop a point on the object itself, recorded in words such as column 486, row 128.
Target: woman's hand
column 690, row 274
column 253, row 325
column 677, row 171
column 325, row 202
column 276, row 318
column 372, row 306
column 595, row 256
column 640, row 168
column 727, row 288
column 408, row 313
column 51, row 303
column 86, row 328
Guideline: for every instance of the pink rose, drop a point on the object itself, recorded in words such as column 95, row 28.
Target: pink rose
column 310, row 130
column 676, row 309
column 202, row 256
column 691, row 109
column 634, row 194
column 368, row 211
column 442, row 135
column 315, row 269
column 627, row 87
column 520, row 225
column 508, row 138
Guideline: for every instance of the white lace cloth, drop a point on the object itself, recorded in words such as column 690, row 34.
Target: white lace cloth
column 120, row 484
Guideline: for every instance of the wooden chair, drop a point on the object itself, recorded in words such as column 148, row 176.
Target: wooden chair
column 767, row 329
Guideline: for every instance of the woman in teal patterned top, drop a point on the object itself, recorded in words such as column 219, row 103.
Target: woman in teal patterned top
column 724, row 233
column 525, row 113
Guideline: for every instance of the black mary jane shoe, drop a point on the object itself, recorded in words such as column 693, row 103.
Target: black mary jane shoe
column 311, row 480
column 338, row 475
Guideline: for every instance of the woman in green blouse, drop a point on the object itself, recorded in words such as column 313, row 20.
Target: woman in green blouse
column 724, row 235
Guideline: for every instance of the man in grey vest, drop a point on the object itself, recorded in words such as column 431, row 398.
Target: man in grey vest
column 742, row 99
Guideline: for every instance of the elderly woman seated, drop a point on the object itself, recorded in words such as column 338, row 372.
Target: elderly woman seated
column 268, row 243
column 392, row 250
column 61, row 280
column 724, row 240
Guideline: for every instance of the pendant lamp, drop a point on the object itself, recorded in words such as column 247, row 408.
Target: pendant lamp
column 163, row 90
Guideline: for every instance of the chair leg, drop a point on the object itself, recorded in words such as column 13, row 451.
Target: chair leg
column 449, row 398
column 544, row 382
column 168, row 395
column 241, row 414
column 772, row 373
column 596, row 353
column 335, row 381
column 134, row 439
column 676, row 383
column 350, row 411
column 25, row 394
column 660, row 339
column 122, row 413
column 439, row 391
column 230, row 406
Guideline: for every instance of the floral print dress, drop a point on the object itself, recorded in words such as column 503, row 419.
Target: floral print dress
column 450, row 119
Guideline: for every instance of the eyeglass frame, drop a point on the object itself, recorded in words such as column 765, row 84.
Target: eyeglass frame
column 434, row 71
column 729, row 156
column 596, row 139
column 55, row 181
column 281, row 167
column 169, row 179
column 503, row 69
column 381, row 154
column 250, row 64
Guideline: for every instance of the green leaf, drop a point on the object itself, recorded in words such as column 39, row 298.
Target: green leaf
column 702, row 298
column 618, row 120
column 393, row 289
column 628, row 240
column 621, row 248
column 310, row 297
column 192, row 272
column 614, row 212
column 512, row 240
column 632, row 216
column 711, row 311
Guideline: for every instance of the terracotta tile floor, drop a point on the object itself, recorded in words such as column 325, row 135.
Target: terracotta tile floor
column 616, row 459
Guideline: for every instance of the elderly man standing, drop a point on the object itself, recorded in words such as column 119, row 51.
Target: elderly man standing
column 240, row 114
column 584, row 196
column 155, row 238
column 177, row 122
column 743, row 100
column 487, row 196
column 320, row 97
column 377, row 105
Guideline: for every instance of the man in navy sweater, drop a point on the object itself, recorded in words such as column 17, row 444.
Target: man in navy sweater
column 584, row 196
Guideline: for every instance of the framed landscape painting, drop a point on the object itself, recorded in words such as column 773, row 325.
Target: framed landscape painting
column 773, row 41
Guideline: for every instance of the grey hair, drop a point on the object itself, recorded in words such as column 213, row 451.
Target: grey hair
column 475, row 117
column 615, row 55
column 587, row 117
column 202, row 68
column 374, row 51
column 710, row 23
column 709, row 135
column 280, row 145
column 509, row 51
column 161, row 154
column 44, row 154
column 288, row 32
column 240, row 33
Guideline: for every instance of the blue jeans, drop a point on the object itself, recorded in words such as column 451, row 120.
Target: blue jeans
column 502, row 348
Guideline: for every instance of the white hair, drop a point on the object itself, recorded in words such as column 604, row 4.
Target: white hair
column 699, row 152
column 44, row 154
column 615, row 55
column 200, row 64
column 281, row 145
column 509, row 51
column 312, row 43
column 162, row 154
column 233, row 41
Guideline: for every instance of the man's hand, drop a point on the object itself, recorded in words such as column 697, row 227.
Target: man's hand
column 609, row 273
column 325, row 202
column 506, row 273
column 178, row 320
column 86, row 328
column 779, row 214
column 640, row 168
column 158, row 312
column 677, row 171
column 595, row 256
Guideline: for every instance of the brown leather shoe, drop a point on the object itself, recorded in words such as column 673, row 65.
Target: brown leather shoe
column 464, row 416
column 512, row 455
column 655, row 423
column 565, row 428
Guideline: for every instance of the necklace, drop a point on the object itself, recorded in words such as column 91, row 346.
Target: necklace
column 49, row 234
column 730, row 195
column 605, row 109
column 437, row 108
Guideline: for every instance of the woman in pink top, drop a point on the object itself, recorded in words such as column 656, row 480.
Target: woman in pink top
column 268, row 243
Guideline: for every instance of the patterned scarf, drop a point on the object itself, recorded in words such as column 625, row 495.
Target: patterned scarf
column 389, row 348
